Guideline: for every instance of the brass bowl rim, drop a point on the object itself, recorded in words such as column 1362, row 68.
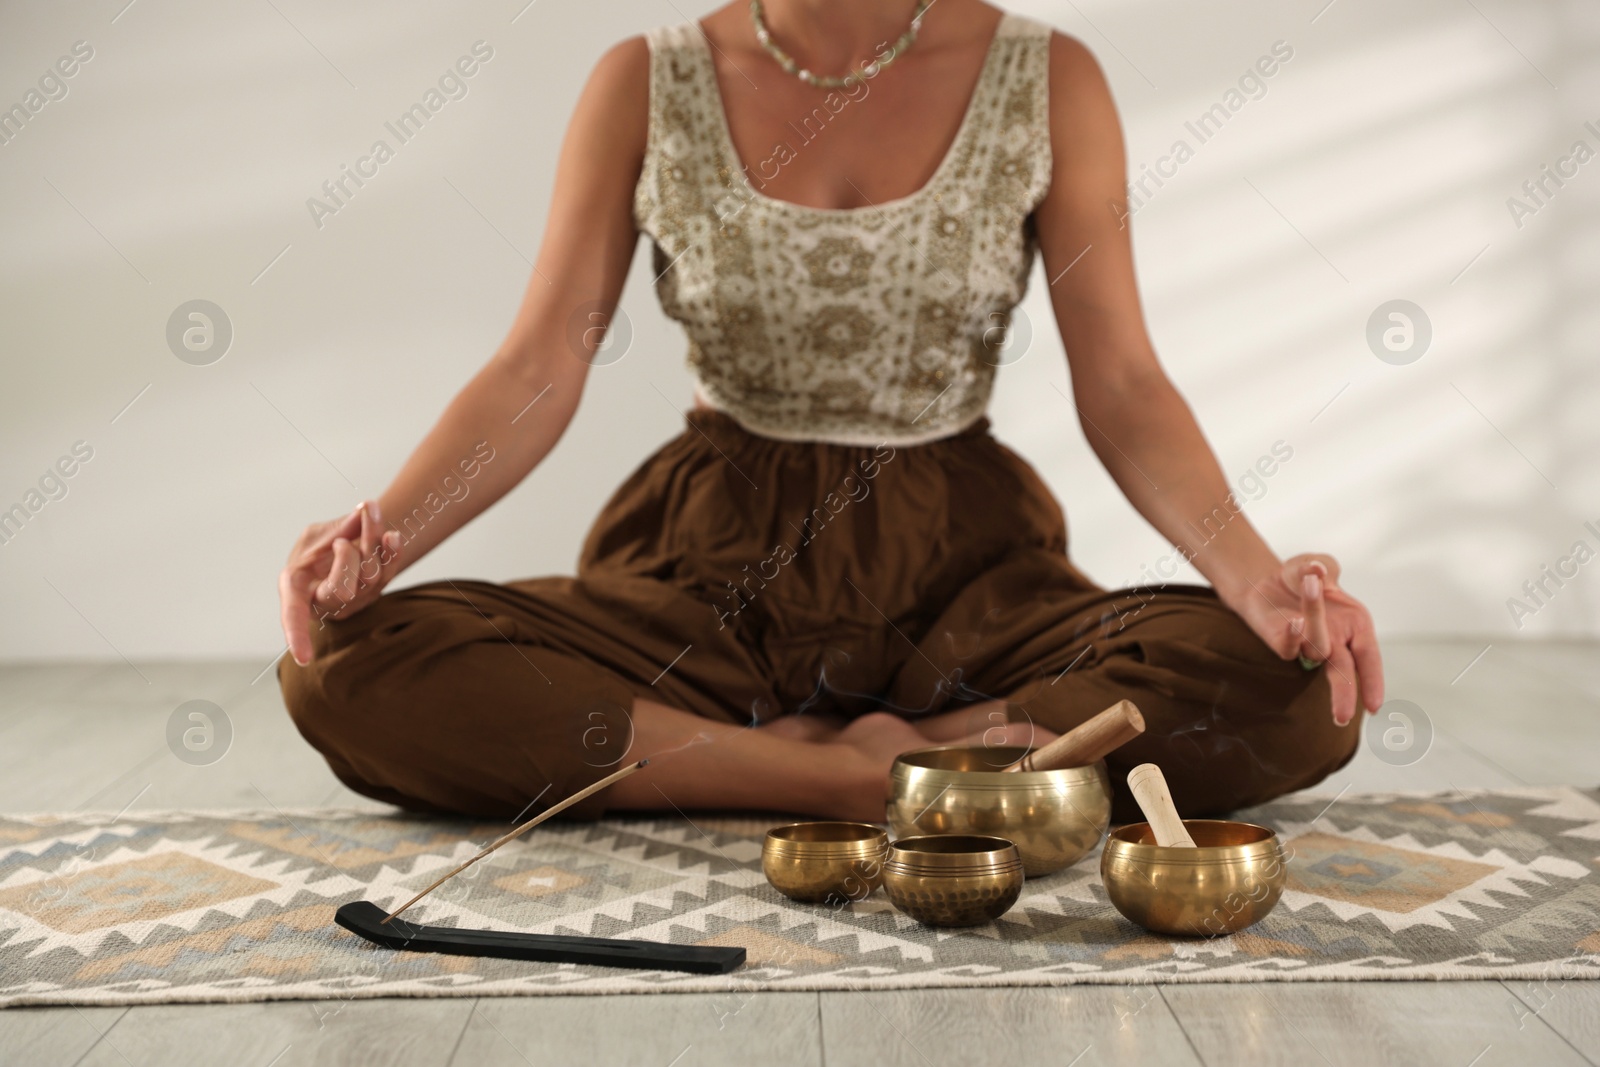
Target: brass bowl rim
column 904, row 769
column 1118, row 845
column 821, row 854
column 902, row 871
column 873, row 838
column 985, row 851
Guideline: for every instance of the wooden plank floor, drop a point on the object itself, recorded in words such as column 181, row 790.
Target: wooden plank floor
column 92, row 736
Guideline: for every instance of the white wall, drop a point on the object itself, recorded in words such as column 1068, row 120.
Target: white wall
column 1377, row 165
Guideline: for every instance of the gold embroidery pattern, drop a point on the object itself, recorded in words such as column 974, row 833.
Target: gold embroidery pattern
column 838, row 263
column 860, row 325
column 841, row 333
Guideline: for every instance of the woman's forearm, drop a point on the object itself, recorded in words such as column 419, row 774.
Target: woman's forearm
column 1154, row 449
column 493, row 433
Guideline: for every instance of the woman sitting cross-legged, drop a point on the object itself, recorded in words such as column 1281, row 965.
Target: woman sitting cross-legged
column 834, row 561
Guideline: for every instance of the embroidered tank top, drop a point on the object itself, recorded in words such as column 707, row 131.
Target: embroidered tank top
column 850, row 325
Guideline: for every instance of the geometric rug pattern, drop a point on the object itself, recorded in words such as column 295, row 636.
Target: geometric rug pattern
column 230, row 906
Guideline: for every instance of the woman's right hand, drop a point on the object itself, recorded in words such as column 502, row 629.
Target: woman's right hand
column 335, row 569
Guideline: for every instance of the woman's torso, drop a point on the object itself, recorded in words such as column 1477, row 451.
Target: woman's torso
column 881, row 323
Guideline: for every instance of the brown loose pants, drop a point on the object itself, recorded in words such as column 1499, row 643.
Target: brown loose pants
column 742, row 578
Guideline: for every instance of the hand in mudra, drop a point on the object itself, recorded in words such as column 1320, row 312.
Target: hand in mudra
column 1301, row 612
column 335, row 569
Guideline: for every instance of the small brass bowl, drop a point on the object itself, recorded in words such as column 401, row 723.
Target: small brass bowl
column 953, row 879
column 825, row 862
column 1230, row 881
column 1055, row 818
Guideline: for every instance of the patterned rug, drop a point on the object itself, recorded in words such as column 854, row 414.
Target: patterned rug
column 239, row 906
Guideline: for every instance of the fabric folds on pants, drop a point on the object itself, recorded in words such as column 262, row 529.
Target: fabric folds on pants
column 742, row 578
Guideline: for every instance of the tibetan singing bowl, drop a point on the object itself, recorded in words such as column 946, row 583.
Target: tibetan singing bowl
column 825, row 862
column 1230, row 881
column 953, row 879
column 1055, row 818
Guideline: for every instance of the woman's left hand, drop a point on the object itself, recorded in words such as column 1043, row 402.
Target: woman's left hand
column 1301, row 612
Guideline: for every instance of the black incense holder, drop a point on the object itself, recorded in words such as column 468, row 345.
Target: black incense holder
column 365, row 919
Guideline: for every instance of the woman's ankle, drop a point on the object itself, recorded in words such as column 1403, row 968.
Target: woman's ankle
column 856, row 788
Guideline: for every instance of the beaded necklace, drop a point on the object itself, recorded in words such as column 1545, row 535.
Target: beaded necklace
column 869, row 69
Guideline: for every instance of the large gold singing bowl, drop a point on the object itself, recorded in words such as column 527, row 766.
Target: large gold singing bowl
column 825, row 862
column 1230, row 881
column 1055, row 818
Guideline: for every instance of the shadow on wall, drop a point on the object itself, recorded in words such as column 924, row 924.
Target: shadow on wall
column 1378, row 164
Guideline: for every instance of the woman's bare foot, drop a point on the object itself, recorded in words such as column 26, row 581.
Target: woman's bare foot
column 802, row 764
column 805, row 727
column 948, row 727
column 872, row 742
column 986, row 723
column 866, row 749
column 840, row 773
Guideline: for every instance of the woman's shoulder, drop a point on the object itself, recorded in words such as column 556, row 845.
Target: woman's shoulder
column 1070, row 62
column 1073, row 66
column 631, row 55
column 668, row 35
column 1061, row 63
column 1022, row 25
column 621, row 76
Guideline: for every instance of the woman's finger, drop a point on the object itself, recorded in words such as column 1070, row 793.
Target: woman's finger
column 388, row 555
column 316, row 562
column 294, row 612
column 296, row 587
column 369, row 570
column 1369, row 663
column 348, row 557
column 338, row 588
column 371, row 528
column 348, row 525
column 1295, row 568
column 378, row 566
column 315, row 547
column 1291, row 641
column 1341, row 672
column 1316, row 617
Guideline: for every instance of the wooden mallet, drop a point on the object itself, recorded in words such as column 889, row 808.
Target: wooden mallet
column 1149, row 787
column 524, row 828
column 1087, row 742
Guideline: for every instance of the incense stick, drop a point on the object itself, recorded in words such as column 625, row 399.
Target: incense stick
column 529, row 825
